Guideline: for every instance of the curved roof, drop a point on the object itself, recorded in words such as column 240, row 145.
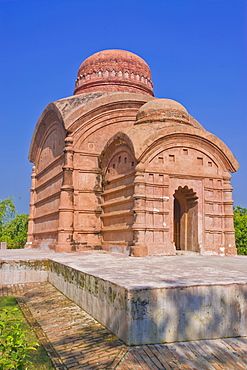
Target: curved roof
column 145, row 137
column 68, row 111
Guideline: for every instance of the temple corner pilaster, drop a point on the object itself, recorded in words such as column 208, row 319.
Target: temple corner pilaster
column 139, row 247
column 229, row 232
column 30, row 236
column 66, row 207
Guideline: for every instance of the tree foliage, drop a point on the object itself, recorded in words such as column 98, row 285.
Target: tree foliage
column 7, row 211
column 240, row 225
column 13, row 227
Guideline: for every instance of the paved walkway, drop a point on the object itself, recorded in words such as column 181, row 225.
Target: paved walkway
column 74, row 340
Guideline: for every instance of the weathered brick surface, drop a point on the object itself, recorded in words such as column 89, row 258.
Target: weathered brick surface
column 74, row 340
column 123, row 171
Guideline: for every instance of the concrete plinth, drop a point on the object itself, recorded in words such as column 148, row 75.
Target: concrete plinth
column 153, row 299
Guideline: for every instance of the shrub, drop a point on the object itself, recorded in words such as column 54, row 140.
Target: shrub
column 240, row 225
column 13, row 227
column 14, row 349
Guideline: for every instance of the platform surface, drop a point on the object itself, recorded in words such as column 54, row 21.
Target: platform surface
column 145, row 300
column 142, row 272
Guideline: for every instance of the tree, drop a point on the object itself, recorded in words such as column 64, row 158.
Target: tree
column 7, row 211
column 15, row 231
column 13, row 227
column 240, row 225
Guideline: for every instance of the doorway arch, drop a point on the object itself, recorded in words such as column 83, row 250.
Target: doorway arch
column 185, row 219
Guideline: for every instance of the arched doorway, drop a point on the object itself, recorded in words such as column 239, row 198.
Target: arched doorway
column 185, row 219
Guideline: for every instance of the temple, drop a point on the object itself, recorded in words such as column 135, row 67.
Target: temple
column 119, row 170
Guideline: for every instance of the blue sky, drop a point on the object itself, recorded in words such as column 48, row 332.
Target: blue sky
column 196, row 49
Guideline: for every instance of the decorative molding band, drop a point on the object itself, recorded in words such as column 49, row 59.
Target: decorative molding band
column 116, row 74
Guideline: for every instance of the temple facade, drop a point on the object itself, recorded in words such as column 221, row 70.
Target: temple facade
column 119, row 170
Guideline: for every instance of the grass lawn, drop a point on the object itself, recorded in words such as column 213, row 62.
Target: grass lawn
column 39, row 359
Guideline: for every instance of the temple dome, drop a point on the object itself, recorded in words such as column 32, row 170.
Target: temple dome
column 113, row 71
column 162, row 110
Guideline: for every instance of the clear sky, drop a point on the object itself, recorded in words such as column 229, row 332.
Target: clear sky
column 196, row 49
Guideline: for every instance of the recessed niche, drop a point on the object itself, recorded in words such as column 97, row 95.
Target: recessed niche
column 113, row 166
column 160, row 159
column 200, row 160
column 210, row 164
column 161, row 178
column 185, row 151
column 171, row 157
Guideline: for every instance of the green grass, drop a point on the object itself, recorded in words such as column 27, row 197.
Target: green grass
column 39, row 359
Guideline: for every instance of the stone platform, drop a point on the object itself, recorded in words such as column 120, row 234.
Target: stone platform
column 144, row 300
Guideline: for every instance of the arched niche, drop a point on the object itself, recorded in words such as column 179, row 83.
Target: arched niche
column 117, row 164
column 52, row 148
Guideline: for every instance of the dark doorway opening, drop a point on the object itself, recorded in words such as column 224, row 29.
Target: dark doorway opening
column 177, row 216
column 185, row 220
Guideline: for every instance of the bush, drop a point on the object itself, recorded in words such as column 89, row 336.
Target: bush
column 15, row 231
column 240, row 225
column 14, row 349
column 13, row 227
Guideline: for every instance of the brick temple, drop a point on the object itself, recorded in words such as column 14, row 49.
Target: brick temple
column 119, row 170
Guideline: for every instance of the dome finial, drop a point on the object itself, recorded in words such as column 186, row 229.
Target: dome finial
column 113, row 71
column 162, row 110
